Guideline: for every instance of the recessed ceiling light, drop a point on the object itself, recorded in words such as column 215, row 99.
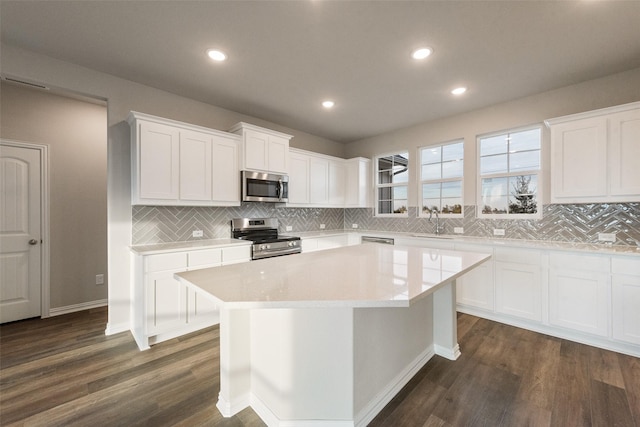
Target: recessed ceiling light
column 328, row 104
column 459, row 90
column 421, row 53
column 216, row 55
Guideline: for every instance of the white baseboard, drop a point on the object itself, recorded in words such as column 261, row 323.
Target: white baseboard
column 57, row 311
column 272, row 420
column 117, row 328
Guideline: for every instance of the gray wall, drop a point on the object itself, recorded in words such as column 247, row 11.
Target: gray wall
column 124, row 96
column 604, row 92
column 76, row 133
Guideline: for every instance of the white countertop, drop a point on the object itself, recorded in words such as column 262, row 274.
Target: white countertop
column 159, row 248
column 352, row 276
column 602, row 248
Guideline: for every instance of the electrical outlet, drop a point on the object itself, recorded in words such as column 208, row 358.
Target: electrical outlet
column 458, row 230
column 354, row 225
column 288, row 228
column 607, row 237
column 498, row 231
column 99, row 279
column 322, row 226
column 197, row 233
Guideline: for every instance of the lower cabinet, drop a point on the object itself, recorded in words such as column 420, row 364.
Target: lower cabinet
column 519, row 284
column 476, row 288
column 579, row 289
column 320, row 243
column 625, row 284
column 164, row 307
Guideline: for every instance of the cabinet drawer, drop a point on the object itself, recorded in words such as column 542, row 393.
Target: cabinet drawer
column 205, row 257
column 521, row 256
column 630, row 266
column 579, row 262
column 164, row 262
column 236, row 254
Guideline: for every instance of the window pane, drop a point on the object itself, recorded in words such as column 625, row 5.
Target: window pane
column 493, row 145
column 494, row 195
column 524, row 140
column 401, row 174
column 452, row 189
column 399, row 206
column 493, row 164
column 431, row 172
column 523, row 191
column 452, row 169
column 385, row 163
column 431, row 191
column 429, row 204
column 526, row 160
column 451, row 205
column 453, row 152
column 385, row 177
column 430, row 155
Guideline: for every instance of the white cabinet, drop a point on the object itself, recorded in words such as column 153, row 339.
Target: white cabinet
column 358, row 183
column 317, row 180
column 476, row 289
column 177, row 164
column 298, row 178
column 518, row 282
column 626, row 299
column 594, row 156
column 163, row 307
column 319, row 243
column 263, row 150
column 579, row 289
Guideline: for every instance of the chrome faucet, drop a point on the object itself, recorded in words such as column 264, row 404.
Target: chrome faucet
column 438, row 229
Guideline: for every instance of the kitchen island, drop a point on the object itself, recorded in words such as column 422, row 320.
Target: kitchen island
column 328, row 338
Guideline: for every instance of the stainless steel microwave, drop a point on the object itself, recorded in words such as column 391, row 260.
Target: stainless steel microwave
column 264, row 187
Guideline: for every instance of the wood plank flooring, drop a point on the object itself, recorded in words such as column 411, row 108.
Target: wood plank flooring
column 63, row 371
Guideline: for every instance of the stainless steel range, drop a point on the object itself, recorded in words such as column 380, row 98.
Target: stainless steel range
column 263, row 232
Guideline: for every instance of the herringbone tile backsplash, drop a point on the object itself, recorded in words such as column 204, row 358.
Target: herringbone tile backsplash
column 566, row 223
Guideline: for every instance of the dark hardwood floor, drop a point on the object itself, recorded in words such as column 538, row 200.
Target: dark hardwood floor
column 63, row 371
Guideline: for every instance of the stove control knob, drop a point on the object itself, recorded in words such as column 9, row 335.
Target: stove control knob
column 268, row 246
column 263, row 247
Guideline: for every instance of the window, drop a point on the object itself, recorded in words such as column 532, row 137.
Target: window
column 509, row 165
column 441, row 170
column 392, row 177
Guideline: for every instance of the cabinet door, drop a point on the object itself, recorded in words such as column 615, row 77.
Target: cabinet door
column 298, row 178
column 278, row 154
column 337, row 183
column 226, row 171
column 626, row 308
column 195, row 166
column 476, row 288
column 519, row 290
column 358, row 183
column 578, row 160
column 256, row 150
column 624, row 149
column 166, row 302
column 202, row 309
column 319, row 181
column 158, row 167
column 578, row 300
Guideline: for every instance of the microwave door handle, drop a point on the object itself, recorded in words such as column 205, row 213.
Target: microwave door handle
column 280, row 189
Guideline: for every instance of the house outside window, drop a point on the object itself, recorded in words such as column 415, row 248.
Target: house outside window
column 441, row 179
column 509, row 165
column 392, row 178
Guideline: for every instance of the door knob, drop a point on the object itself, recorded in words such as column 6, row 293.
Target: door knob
column 33, row 242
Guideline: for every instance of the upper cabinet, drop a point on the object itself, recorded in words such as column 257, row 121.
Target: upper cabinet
column 263, row 150
column 594, row 156
column 178, row 164
column 317, row 180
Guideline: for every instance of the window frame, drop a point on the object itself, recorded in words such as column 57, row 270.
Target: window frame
column 537, row 172
column 421, row 213
column 377, row 184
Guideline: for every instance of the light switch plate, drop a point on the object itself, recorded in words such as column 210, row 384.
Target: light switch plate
column 498, row 231
column 322, row 226
column 458, row 230
column 607, row 237
column 354, row 225
column 289, row 228
column 197, row 233
column 99, row 279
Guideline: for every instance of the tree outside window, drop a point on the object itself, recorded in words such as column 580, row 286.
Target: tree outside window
column 509, row 166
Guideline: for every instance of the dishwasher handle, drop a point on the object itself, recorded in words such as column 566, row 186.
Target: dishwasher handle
column 383, row 240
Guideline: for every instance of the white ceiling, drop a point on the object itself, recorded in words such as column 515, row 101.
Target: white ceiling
column 285, row 57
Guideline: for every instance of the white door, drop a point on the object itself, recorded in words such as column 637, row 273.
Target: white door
column 20, row 233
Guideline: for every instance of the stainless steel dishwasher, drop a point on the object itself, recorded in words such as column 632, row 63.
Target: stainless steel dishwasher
column 383, row 240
